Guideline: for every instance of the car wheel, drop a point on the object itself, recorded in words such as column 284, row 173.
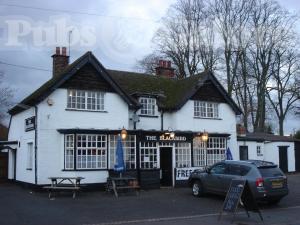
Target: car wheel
column 197, row 188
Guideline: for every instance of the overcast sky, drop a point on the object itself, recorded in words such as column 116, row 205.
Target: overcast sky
column 119, row 32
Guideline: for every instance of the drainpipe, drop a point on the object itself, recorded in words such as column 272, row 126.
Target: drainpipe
column 35, row 145
column 134, row 121
column 162, row 120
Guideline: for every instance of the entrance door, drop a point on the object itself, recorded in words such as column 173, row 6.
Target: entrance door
column 283, row 158
column 243, row 152
column 166, row 166
column 3, row 166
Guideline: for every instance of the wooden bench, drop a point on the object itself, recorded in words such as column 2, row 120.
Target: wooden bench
column 63, row 188
column 115, row 184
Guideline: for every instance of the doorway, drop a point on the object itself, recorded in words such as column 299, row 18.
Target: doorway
column 283, row 158
column 166, row 166
column 3, row 166
column 244, row 152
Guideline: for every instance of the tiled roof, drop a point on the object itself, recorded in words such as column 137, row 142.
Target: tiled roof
column 171, row 93
column 261, row 137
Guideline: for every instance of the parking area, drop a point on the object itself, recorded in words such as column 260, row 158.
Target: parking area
column 19, row 206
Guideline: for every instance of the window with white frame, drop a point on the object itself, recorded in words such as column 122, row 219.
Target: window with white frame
column 129, row 148
column 29, row 155
column 209, row 153
column 148, row 155
column 91, row 151
column 183, row 155
column 148, row 106
column 206, row 109
column 85, row 100
column 69, row 151
column 259, row 150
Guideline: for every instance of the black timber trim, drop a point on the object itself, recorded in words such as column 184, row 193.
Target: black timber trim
column 9, row 142
column 209, row 76
column 136, row 132
column 229, row 100
column 256, row 139
column 56, row 82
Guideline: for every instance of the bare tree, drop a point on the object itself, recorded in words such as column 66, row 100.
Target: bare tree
column 231, row 17
column 187, row 37
column 148, row 63
column 283, row 91
column 271, row 27
column 6, row 95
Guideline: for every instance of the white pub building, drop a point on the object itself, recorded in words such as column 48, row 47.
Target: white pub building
column 69, row 126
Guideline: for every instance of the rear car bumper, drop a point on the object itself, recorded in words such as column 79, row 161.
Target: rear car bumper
column 271, row 195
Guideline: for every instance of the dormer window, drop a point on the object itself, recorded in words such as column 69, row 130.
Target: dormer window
column 85, row 100
column 206, row 109
column 148, row 106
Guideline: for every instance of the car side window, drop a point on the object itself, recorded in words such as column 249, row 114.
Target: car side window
column 218, row 169
column 238, row 170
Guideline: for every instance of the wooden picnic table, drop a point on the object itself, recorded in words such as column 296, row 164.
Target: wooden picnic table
column 122, row 183
column 64, row 184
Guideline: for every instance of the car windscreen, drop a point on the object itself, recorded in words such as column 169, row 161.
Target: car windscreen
column 270, row 172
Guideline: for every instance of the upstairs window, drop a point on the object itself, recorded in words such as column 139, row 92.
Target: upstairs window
column 148, row 106
column 206, row 109
column 85, row 100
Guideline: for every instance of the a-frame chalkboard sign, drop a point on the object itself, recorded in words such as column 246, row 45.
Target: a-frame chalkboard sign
column 240, row 192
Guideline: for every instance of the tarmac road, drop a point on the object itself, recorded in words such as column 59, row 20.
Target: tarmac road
column 20, row 206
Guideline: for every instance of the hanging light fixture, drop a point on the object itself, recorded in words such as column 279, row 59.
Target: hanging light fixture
column 204, row 136
column 123, row 133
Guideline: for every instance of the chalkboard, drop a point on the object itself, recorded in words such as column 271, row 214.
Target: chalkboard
column 239, row 191
column 234, row 195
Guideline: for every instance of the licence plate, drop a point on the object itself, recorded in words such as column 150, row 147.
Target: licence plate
column 277, row 184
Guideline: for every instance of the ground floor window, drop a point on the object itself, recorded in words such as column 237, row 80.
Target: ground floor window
column 183, row 155
column 91, row 151
column 69, row 151
column 29, row 155
column 148, row 155
column 129, row 147
column 209, row 153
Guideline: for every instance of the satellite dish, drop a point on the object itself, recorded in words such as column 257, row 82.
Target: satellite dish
column 135, row 118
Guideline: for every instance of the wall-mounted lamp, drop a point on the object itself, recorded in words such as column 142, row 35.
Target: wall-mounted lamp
column 204, row 136
column 170, row 133
column 123, row 133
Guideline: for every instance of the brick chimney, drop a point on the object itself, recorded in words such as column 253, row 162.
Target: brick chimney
column 60, row 60
column 164, row 69
column 240, row 130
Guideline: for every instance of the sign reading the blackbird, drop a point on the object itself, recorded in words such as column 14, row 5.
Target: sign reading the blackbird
column 240, row 191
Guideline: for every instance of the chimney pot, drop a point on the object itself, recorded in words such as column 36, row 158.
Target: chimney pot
column 64, row 51
column 57, row 50
column 164, row 69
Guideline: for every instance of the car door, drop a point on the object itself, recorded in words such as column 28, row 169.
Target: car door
column 234, row 171
column 213, row 181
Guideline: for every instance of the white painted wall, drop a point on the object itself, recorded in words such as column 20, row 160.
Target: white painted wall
column 50, row 154
column 17, row 133
column 270, row 151
column 53, row 117
column 51, row 142
column 184, row 120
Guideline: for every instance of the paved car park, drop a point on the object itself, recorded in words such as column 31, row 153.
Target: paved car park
column 19, row 206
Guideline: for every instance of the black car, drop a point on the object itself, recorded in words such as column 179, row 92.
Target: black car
column 266, row 180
